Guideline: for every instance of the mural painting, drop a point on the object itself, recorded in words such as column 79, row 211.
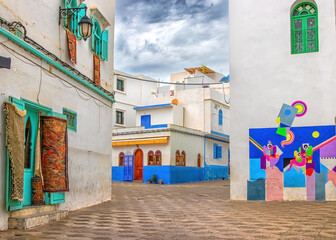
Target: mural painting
column 292, row 163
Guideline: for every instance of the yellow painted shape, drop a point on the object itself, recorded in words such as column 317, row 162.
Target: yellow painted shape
column 316, row 134
column 278, row 120
column 139, row 142
column 300, row 108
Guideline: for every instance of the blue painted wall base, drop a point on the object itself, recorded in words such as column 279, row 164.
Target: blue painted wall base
column 177, row 174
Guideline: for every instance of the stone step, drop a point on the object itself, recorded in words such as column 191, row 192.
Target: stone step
column 38, row 219
column 30, row 210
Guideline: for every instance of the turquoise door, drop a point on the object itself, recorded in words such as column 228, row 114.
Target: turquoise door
column 31, row 126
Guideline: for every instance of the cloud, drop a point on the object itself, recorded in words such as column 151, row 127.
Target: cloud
column 159, row 37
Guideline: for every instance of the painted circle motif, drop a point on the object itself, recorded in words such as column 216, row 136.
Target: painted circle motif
column 301, row 106
column 316, row 134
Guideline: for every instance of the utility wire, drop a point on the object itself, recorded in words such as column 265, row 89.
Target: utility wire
column 51, row 74
column 173, row 83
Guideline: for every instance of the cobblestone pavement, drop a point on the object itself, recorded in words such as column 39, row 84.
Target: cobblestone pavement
column 188, row 211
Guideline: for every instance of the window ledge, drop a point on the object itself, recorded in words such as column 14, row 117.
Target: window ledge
column 119, row 125
column 121, row 92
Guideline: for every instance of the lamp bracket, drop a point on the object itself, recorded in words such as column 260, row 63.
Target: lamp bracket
column 66, row 12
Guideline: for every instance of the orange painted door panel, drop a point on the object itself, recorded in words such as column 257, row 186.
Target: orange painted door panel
column 138, row 164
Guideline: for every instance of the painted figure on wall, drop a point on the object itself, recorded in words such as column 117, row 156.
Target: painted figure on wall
column 305, row 161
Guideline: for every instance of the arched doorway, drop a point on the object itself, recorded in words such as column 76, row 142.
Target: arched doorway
column 138, row 164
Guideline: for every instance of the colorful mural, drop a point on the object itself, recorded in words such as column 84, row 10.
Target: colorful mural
column 288, row 163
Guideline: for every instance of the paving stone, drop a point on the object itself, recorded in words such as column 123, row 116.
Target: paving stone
column 193, row 211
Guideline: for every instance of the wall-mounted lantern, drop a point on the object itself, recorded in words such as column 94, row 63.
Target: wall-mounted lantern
column 85, row 24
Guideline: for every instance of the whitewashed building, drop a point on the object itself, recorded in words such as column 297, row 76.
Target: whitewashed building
column 282, row 66
column 51, row 71
column 181, row 135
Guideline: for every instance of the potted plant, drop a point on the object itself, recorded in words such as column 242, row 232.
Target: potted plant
column 149, row 181
column 160, row 181
column 154, row 178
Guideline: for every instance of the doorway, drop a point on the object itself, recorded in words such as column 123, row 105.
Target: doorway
column 138, row 164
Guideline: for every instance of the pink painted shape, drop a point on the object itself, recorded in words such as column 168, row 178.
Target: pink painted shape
column 332, row 176
column 310, row 187
column 273, row 161
column 274, row 184
column 329, row 150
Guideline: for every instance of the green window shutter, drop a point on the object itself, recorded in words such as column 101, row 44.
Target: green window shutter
column 12, row 205
column 93, row 34
column 105, row 37
column 80, row 15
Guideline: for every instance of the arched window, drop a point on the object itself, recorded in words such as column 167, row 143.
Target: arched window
column 151, row 158
column 220, row 117
column 304, row 25
column 177, row 158
column 199, row 160
column 183, row 158
column 121, row 159
column 158, row 158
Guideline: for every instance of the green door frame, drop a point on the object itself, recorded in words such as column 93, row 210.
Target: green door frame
column 51, row 198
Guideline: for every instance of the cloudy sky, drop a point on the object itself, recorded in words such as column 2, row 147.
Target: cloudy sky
column 159, row 37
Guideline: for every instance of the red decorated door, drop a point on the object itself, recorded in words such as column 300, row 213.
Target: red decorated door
column 138, row 164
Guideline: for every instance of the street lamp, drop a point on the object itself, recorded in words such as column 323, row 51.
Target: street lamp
column 85, row 24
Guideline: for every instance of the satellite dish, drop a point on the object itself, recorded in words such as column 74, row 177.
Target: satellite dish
column 225, row 79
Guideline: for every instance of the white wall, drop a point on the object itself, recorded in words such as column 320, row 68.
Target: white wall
column 191, row 145
column 210, row 160
column 136, row 93
column 162, row 115
column 89, row 147
column 264, row 75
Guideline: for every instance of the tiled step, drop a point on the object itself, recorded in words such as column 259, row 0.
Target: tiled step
column 25, row 211
column 35, row 216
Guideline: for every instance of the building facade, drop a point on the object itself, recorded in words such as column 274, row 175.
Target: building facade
column 52, row 78
column 182, row 135
column 283, row 105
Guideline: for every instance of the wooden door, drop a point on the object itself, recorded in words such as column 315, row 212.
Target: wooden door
column 138, row 164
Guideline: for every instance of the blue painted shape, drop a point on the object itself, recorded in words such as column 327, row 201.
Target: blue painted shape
column 215, row 172
column 255, row 171
column 256, row 190
column 157, row 126
column 220, row 117
column 145, row 120
column 320, row 186
column 174, row 174
column 162, row 173
column 153, row 106
column 279, row 164
column 217, row 139
column 117, row 174
column 283, row 125
column 287, row 114
column 325, row 170
column 302, row 135
column 179, row 174
column 294, row 178
column 316, row 160
column 220, row 134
